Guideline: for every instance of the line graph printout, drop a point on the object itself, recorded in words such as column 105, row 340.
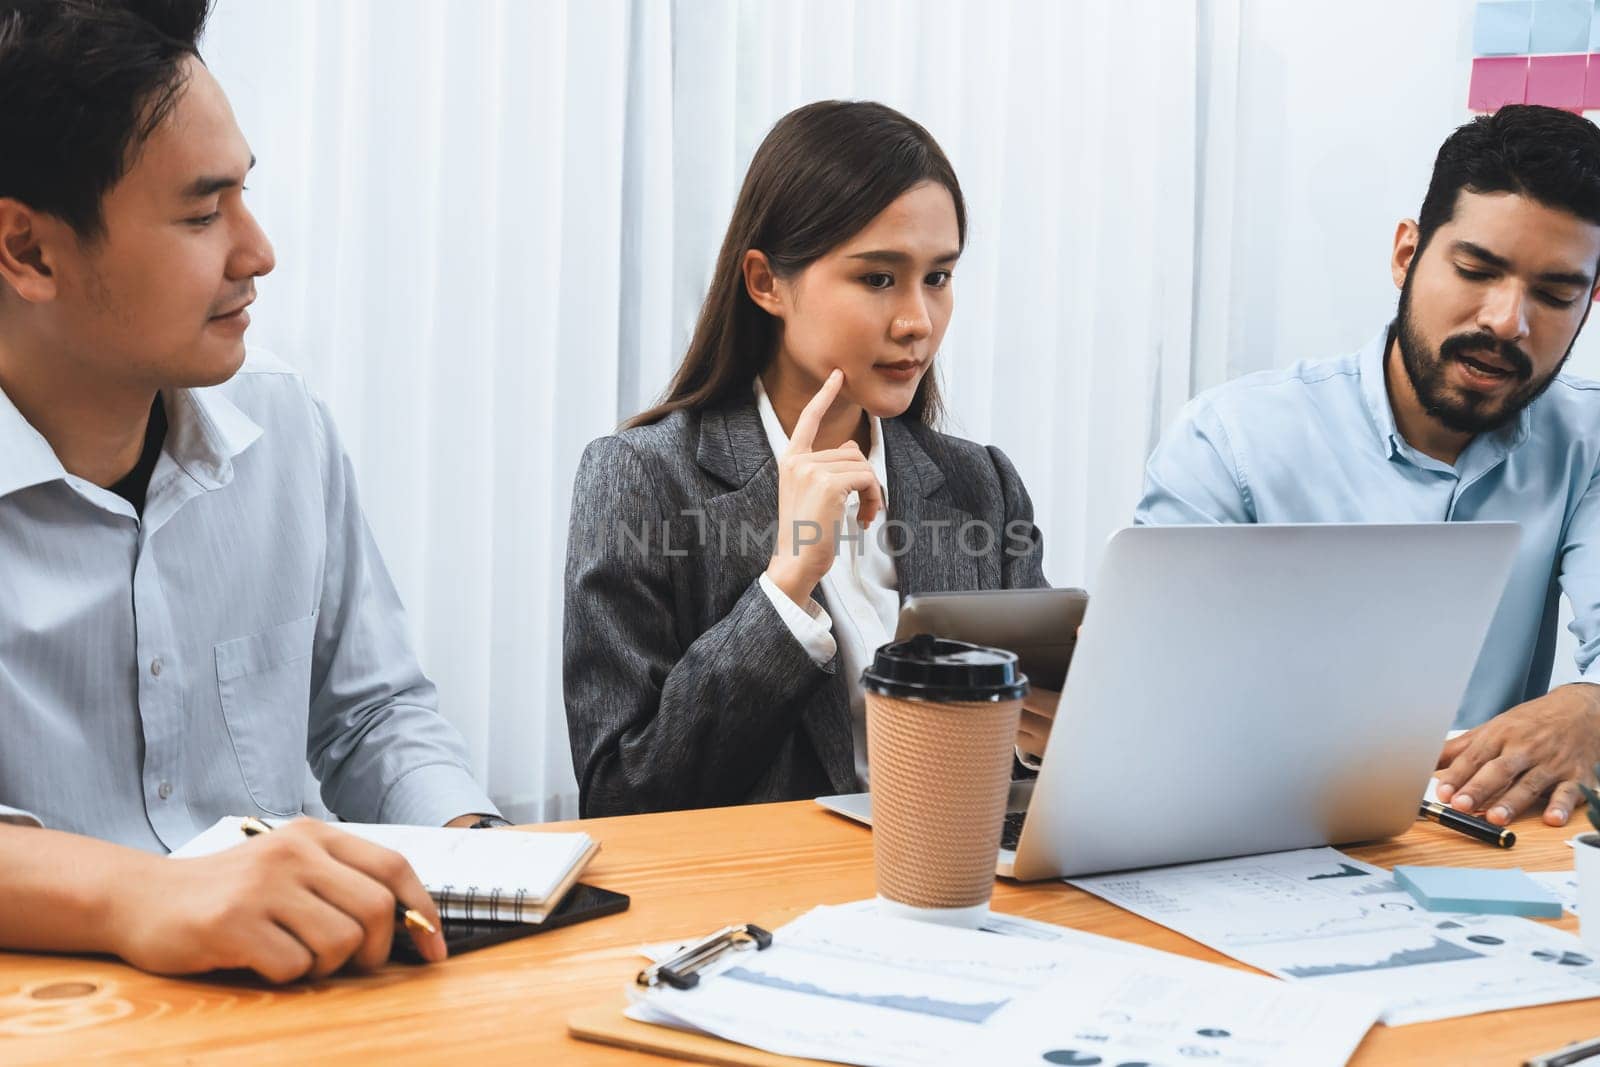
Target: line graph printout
column 1319, row 916
column 844, row 984
column 996, row 923
column 1121, row 1015
column 1564, row 884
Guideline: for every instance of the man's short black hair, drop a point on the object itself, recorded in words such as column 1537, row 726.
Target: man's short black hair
column 1543, row 153
column 83, row 84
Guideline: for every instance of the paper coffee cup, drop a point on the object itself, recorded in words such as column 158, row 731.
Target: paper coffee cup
column 941, row 728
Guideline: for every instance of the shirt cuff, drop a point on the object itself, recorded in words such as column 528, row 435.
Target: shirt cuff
column 1033, row 763
column 433, row 795
column 18, row 817
column 810, row 625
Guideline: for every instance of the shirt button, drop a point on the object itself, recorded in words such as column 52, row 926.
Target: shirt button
column 155, row 666
column 166, row 787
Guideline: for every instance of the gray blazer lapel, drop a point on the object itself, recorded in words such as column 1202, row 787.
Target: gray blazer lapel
column 739, row 527
column 733, row 445
column 925, row 533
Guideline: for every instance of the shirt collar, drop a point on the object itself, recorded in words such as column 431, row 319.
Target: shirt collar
column 779, row 441
column 26, row 458
column 205, row 431
column 1375, row 391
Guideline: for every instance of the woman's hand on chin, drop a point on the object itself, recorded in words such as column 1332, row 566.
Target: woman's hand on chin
column 813, row 490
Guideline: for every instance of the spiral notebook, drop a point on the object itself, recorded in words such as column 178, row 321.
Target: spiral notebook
column 496, row 875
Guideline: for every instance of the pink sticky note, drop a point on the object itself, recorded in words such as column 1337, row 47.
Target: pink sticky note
column 1498, row 80
column 1557, row 81
column 1591, row 86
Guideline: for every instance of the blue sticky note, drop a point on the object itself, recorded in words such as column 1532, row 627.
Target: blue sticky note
column 1594, row 28
column 1502, row 28
column 1561, row 25
column 1473, row 889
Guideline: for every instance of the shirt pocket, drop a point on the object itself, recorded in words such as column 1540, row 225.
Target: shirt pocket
column 264, row 682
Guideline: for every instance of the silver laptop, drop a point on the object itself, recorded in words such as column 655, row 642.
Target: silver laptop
column 1248, row 689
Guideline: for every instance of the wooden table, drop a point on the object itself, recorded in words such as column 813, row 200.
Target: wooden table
column 688, row 873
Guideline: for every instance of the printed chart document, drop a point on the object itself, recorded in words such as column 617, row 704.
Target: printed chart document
column 1031, row 929
column 847, row 985
column 996, row 923
column 1336, row 923
column 1564, row 884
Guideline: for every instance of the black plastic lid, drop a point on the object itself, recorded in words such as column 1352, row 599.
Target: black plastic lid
column 931, row 668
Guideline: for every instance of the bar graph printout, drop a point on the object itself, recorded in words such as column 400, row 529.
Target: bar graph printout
column 1320, row 916
column 844, row 984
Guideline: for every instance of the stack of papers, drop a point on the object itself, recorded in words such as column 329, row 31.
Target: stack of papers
column 498, row 875
column 1330, row 921
column 847, row 985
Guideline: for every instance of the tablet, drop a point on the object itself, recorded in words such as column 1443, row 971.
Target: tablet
column 1039, row 625
column 463, row 935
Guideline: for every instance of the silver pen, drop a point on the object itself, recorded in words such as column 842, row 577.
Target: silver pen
column 1577, row 1052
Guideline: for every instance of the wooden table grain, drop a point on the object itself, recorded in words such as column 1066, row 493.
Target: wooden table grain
column 687, row 872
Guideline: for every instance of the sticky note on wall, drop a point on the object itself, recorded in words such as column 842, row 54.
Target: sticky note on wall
column 1557, row 81
column 1502, row 27
column 1561, row 26
column 1498, row 80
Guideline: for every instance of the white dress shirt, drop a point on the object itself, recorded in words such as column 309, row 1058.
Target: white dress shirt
column 861, row 585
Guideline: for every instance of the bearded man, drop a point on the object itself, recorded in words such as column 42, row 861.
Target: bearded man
column 1457, row 411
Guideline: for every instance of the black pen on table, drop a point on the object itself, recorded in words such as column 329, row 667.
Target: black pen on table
column 250, row 826
column 1471, row 825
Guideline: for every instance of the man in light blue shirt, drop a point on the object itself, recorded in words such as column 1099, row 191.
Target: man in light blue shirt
column 191, row 605
column 1456, row 412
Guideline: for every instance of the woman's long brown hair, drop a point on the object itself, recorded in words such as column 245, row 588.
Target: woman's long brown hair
column 821, row 175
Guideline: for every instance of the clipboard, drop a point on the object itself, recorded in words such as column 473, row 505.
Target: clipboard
column 608, row 1026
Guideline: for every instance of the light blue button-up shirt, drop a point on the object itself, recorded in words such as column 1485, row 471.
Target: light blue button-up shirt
column 1317, row 442
column 158, row 674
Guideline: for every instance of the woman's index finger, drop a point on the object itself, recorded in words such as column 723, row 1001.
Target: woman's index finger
column 805, row 427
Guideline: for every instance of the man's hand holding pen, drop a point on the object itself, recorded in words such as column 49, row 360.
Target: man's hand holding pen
column 305, row 900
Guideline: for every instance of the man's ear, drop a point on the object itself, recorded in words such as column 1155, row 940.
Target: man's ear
column 27, row 265
column 761, row 283
column 1407, row 238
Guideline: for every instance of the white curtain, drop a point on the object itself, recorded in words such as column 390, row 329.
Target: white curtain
column 495, row 222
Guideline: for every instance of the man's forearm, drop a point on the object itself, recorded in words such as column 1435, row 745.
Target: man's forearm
column 60, row 889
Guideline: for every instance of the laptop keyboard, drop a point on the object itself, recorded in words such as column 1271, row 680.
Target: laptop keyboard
column 1011, row 832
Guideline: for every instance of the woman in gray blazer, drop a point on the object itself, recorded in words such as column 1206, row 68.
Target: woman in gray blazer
column 738, row 552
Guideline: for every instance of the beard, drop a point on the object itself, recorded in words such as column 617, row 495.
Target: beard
column 1466, row 410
